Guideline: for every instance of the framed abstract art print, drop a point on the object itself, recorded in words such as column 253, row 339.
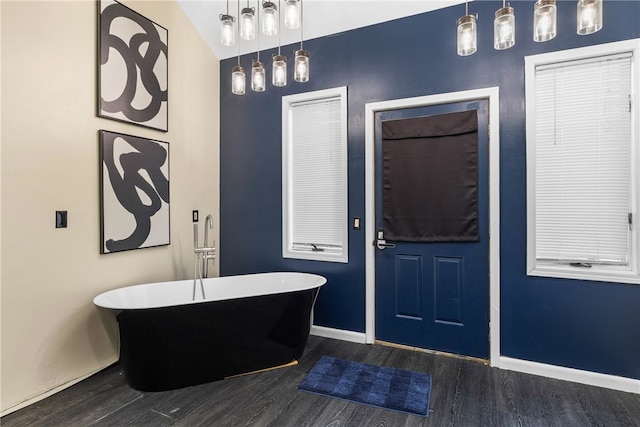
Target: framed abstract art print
column 133, row 67
column 134, row 192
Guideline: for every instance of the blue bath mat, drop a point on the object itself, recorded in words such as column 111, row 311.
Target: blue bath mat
column 388, row 388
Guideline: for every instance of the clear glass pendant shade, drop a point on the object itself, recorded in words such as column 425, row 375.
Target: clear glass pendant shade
column 467, row 35
column 292, row 14
column 248, row 24
column 589, row 16
column 227, row 30
column 279, row 77
column 238, row 81
column 544, row 20
column 504, row 28
column 269, row 19
column 258, row 77
column 301, row 70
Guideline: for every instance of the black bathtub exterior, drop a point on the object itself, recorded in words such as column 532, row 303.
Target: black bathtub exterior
column 172, row 347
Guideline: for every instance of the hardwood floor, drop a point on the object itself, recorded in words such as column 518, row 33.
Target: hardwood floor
column 464, row 393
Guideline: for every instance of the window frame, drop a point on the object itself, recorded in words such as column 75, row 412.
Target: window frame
column 288, row 249
column 619, row 274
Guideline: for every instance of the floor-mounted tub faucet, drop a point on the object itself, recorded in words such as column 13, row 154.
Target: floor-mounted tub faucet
column 203, row 254
column 209, row 254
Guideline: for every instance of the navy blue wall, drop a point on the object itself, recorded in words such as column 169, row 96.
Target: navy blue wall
column 593, row 326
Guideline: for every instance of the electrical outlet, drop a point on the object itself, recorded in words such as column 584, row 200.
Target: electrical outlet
column 194, row 216
column 61, row 219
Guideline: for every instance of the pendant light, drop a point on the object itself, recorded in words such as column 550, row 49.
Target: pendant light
column 292, row 11
column 227, row 30
column 237, row 73
column 589, row 15
column 258, row 74
column 544, row 20
column 504, row 27
column 238, row 80
column 279, row 71
column 301, row 68
column 269, row 19
column 247, row 23
column 467, row 34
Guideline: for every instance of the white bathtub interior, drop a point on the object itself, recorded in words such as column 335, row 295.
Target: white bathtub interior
column 180, row 292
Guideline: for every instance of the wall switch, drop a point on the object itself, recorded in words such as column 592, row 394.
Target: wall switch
column 61, row 219
column 356, row 223
column 194, row 216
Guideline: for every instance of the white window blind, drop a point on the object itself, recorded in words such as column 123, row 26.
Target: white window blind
column 583, row 166
column 314, row 176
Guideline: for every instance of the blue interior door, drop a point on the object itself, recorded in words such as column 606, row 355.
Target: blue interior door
column 435, row 295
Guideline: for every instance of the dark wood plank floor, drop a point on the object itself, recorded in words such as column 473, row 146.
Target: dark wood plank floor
column 465, row 393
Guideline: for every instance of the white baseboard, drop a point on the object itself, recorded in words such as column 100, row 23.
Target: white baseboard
column 338, row 334
column 628, row 385
column 613, row 382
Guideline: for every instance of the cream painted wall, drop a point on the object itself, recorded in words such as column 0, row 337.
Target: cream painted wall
column 52, row 335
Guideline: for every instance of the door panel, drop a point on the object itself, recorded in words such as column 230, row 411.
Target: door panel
column 408, row 285
column 449, row 285
column 435, row 295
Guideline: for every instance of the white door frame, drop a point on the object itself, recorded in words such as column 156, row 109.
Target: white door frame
column 492, row 95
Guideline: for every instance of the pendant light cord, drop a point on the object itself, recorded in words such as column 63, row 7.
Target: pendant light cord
column 238, row 31
column 279, row 29
column 258, row 28
column 301, row 25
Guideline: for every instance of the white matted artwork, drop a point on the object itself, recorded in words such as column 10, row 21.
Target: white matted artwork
column 135, row 192
column 132, row 68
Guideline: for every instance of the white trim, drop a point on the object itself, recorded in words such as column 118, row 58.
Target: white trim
column 628, row 385
column 629, row 274
column 492, row 94
column 287, row 250
column 613, row 382
column 632, row 45
column 338, row 334
column 498, row 361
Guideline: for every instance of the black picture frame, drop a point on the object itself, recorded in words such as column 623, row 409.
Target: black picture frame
column 133, row 56
column 134, row 196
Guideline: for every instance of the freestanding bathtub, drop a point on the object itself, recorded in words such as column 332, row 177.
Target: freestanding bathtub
column 245, row 323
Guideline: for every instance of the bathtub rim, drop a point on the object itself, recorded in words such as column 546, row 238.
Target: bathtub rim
column 223, row 287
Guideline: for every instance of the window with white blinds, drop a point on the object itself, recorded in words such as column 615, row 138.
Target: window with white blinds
column 582, row 164
column 315, row 176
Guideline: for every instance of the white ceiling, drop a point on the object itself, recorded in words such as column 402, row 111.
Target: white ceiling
column 321, row 18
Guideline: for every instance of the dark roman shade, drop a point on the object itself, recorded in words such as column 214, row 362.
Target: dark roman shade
column 430, row 178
